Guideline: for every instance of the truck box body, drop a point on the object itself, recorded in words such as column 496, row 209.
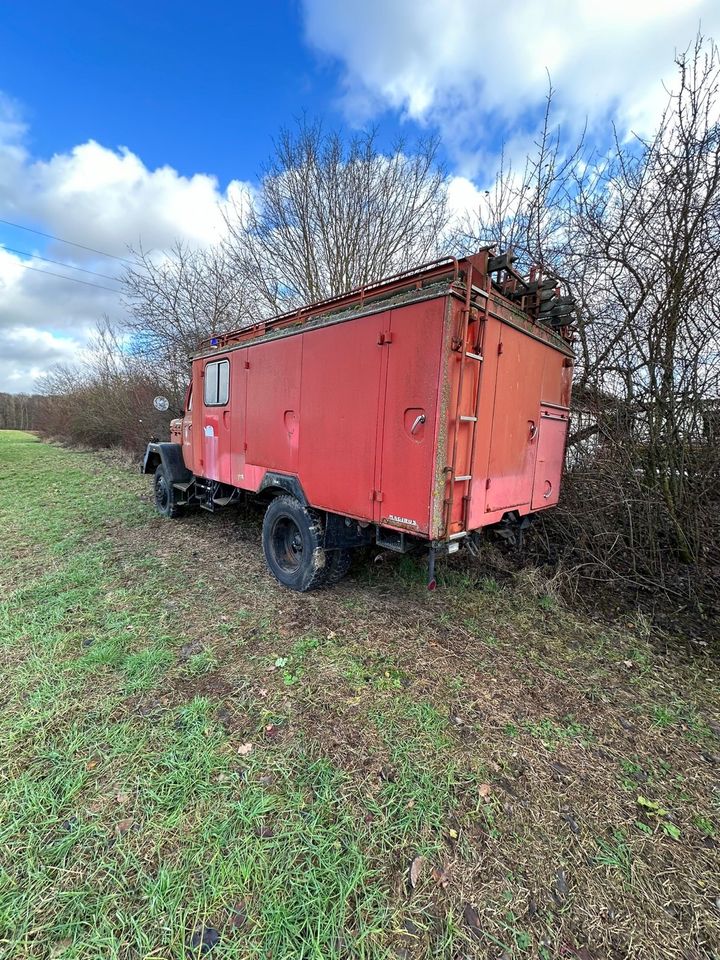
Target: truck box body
column 432, row 407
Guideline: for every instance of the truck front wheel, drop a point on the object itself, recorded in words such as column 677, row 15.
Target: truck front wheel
column 165, row 495
column 292, row 540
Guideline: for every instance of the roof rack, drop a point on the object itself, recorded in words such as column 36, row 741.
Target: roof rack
column 433, row 271
column 536, row 297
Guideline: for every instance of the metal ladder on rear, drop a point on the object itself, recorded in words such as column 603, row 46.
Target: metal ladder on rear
column 474, row 356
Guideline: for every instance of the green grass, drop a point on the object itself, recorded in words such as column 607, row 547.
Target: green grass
column 120, row 837
column 186, row 748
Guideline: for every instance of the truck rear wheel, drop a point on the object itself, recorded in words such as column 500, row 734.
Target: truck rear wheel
column 165, row 495
column 337, row 564
column 292, row 540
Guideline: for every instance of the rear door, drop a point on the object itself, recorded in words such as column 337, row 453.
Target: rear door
column 515, row 422
column 552, row 436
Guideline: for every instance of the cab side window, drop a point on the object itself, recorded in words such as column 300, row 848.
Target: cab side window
column 217, row 383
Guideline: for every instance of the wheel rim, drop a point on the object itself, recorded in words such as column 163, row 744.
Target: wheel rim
column 162, row 494
column 287, row 545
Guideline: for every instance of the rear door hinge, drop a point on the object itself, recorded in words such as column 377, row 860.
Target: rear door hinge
column 384, row 337
column 376, row 495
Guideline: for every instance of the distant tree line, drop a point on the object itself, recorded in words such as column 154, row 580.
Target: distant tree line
column 18, row 411
column 634, row 234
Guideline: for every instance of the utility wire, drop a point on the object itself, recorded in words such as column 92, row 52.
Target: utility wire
column 72, row 243
column 62, row 276
column 59, row 263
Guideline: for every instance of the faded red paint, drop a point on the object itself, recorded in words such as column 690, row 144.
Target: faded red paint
column 381, row 415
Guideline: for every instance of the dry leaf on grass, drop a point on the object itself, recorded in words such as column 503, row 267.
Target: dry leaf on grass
column 484, row 790
column 237, row 915
column 244, row 749
column 472, row 919
column 415, row 870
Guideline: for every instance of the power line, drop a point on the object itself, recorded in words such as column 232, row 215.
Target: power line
column 72, row 243
column 59, row 263
column 62, row 276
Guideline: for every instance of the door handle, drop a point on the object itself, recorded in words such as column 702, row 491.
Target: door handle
column 418, row 420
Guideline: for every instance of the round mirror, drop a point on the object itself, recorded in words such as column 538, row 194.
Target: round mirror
column 161, row 403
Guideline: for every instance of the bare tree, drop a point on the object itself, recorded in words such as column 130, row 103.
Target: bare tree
column 106, row 399
column 176, row 299
column 17, row 411
column 635, row 235
column 331, row 215
column 529, row 210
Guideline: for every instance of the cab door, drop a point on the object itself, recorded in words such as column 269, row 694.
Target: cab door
column 187, row 434
column 216, row 420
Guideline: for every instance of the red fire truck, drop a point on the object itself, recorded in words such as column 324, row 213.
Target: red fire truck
column 414, row 411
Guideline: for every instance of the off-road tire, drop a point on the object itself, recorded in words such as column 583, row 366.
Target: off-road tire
column 165, row 494
column 337, row 564
column 292, row 539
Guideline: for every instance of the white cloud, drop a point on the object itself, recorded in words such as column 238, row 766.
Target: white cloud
column 463, row 196
column 475, row 68
column 97, row 196
column 111, row 199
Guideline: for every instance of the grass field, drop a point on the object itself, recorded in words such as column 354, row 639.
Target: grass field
column 197, row 762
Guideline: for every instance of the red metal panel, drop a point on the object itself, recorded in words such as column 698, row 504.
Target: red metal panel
column 515, row 420
column 410, row 415
column 238, row 401
column 550, row 456
column 273, row 404
column 557, row 378
column 341, row 375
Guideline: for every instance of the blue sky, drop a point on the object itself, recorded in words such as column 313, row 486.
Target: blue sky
column 202, row 87
column 126, row 123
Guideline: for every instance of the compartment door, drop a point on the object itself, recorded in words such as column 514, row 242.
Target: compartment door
column 341, row 374
column 552, row 437
column 408, row 416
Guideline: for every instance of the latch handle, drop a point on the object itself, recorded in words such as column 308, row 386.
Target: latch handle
column 418, row 420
